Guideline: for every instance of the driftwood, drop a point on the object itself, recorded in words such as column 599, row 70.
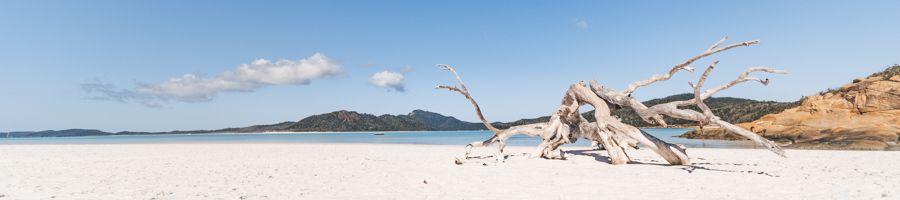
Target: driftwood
column 500, row 136
column 566, row 125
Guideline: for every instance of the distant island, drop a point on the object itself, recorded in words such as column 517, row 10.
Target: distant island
column 731, row 109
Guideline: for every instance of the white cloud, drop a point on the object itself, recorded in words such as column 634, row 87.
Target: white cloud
column 582, row 24
column 246, row 78
column 388, row 79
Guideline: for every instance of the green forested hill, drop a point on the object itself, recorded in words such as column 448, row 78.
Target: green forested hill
column 735, row 110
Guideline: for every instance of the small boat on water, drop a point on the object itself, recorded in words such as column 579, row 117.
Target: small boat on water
column 378, row 134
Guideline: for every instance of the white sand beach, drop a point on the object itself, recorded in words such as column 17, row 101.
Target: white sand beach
column 381, row 171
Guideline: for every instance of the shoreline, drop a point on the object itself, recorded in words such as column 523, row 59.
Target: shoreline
column 279, row 132
column 249, row 139
column 100, row 140
column 239, row 133
column 460, row 146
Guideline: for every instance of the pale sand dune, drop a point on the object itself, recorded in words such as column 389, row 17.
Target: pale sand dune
column 377, row 171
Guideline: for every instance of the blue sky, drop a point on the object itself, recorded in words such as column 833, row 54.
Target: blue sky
column 517, row 57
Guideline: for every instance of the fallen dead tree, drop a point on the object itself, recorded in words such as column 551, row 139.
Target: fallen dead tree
column 566, row 125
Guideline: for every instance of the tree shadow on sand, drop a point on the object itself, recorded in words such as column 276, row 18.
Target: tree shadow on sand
column 592, row 153
column 705, row 166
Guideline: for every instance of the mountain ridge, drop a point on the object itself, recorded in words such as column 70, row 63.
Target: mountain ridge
column 421, row 120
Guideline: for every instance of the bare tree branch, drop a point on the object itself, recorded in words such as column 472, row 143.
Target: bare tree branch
column 744, row 77
column 716, row 45
column 671, row 109
column 707, row 117
column 500, row 136
column 686, row 65
column 697, row 99
column 621, row 99
column 465, row 92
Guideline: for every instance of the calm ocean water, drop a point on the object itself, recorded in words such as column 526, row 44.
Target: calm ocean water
column 421, row 137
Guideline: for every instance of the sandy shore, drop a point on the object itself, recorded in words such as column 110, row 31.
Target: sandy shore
column 378, row 171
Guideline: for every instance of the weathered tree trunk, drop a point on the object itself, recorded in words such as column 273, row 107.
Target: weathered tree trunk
column 674, row 154
column 566, row 125
column 568, row 118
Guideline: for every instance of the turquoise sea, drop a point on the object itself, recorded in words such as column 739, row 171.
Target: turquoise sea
column 416, row 137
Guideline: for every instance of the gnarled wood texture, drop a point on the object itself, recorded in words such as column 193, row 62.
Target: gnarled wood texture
column 566, row 125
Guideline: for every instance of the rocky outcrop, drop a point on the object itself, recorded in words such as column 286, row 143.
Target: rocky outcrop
column 863, row 115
